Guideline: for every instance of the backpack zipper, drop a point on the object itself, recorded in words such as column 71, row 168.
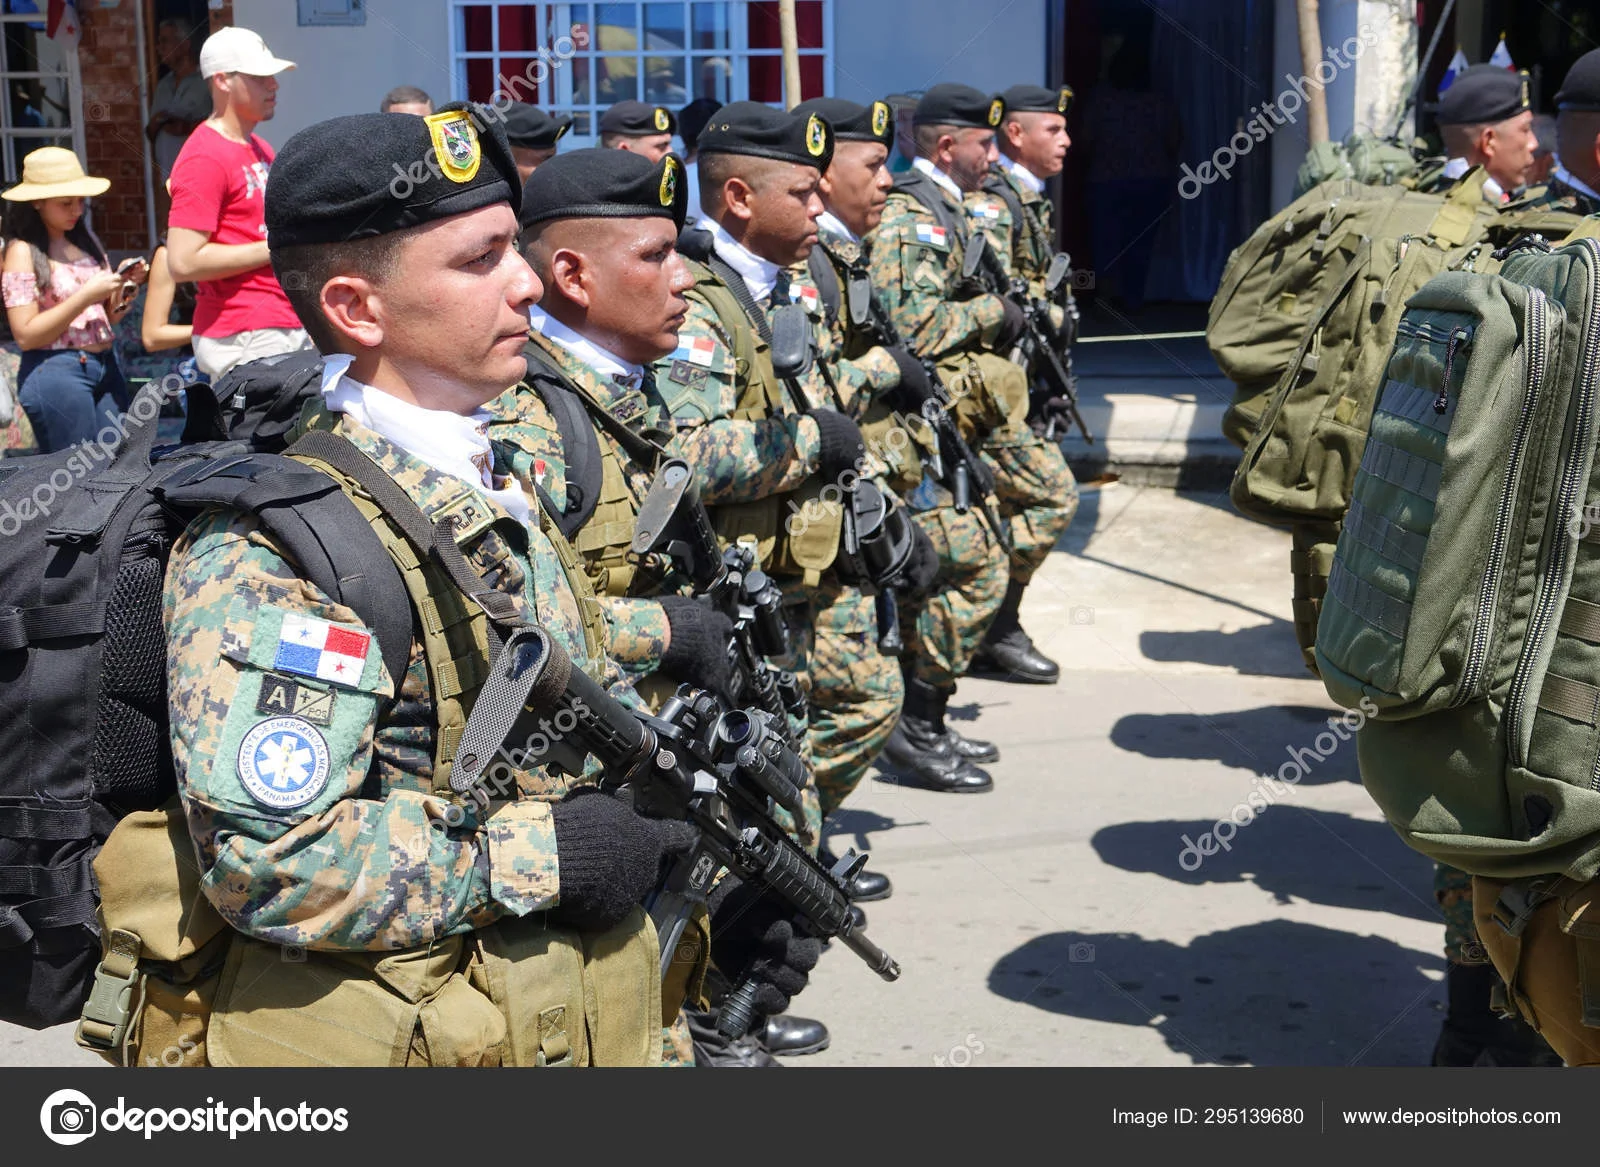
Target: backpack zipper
column 1534, row 330
column 1457, row 336
column 1543, row 606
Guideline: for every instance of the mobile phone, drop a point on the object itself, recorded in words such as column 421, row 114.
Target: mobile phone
column 131, row 261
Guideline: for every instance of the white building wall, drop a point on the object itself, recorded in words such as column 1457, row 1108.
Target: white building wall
column 348, row 70
column 895, row 46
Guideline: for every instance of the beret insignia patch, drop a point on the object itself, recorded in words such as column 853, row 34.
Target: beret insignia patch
column 997, row 109
column 880, row 119
column 663, row 120
column 669, row 181
column 455, row 145
column 1066, row 99
column 816, row 136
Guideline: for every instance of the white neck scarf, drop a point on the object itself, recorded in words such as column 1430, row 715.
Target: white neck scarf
column 940, row 178
column 1577, row 184
column 759, row 274
column 829, row 224
column 1022, row 174
column 603, row 361
column 448, row 442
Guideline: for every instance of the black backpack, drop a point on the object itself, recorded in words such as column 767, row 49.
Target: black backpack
column 260, row 401
column 84, row 538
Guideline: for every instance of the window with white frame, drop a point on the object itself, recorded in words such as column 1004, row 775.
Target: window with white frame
column 582, row 58
column 43, row 91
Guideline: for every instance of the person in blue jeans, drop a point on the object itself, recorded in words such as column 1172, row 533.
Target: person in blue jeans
column 62, row 300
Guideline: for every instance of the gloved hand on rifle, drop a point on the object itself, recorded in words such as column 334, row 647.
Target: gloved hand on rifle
column 922, row 569
column 609, row 858
column 753, row 936
column 842, row 445
column 915, row 384
column 1012, row 327
column 698, row 651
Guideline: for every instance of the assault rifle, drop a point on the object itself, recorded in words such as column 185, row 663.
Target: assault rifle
column 1043, row 350
column 722, row 771
column 673, row 524
column 957, row 466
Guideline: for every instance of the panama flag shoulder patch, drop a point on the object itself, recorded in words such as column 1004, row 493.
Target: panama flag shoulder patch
column 317, row 648
column 933, row 235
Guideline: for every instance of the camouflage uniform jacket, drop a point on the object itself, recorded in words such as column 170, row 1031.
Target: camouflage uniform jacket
column 735, row 459
column 1027, row 247
column 323, row 829
column 862, row 369
column 527, row 439
column 916, row 269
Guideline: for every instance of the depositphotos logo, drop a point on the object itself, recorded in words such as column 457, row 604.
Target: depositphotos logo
column 68, row 1117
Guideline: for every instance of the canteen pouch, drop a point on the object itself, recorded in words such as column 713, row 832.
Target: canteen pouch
column 1434, row 551
column 163, row 946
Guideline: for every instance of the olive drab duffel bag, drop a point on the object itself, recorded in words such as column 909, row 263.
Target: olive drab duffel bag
column 1463, row 607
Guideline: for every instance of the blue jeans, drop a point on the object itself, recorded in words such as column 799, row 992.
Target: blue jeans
column 69, row 395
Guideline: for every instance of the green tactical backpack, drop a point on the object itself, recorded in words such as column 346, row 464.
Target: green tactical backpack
column 1366, row 158
column 1275, row 281
column 1463, row 608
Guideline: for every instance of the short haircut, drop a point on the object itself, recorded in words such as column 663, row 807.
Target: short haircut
column 610, row 138
column 717, row 167
column 927, row 137
column 404, row 95
column 1461, row 138
column 304, row 269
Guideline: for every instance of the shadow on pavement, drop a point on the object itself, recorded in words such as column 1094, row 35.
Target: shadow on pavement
column 855, row 828
column 1323, row 857
column 1258, row 740
column 1262, row 650
column 1276, row 993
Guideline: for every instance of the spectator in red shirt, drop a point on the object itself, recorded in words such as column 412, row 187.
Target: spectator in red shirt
column 217, row 235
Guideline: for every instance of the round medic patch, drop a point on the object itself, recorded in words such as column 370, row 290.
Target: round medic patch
column 283, row 762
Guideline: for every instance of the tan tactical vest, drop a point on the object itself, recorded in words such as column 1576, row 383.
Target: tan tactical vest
column 518, row 992
column 796, row 533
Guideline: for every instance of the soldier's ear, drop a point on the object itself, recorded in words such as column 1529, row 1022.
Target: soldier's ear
column 354, row 310
column 736, row 196
column 568, row 270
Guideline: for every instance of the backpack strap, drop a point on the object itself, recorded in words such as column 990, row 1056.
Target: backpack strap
column 827, row 280
column 921, row 188
column 579, row 446
column 1457, row 221
column 315, row 523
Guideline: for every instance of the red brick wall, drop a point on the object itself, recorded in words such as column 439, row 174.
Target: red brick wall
column 113, row 132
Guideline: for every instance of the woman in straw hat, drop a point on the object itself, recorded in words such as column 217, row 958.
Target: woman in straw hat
column 62, row 299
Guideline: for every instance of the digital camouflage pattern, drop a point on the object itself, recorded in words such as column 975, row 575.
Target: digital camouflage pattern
column 526, row 438
column 1453, row 890
column 916, row 271
column 373, row 860
column 862, row 370
column 973, row 570
column 735, row 460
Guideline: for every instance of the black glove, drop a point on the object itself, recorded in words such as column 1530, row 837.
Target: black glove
column 609, row 858
column 1011, row 328
column 916, row 578
column 915, row 384
column 698, row 652
column 753, row 935
column 842, row 446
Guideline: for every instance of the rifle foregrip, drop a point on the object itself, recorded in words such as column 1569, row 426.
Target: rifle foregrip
column 961, row 487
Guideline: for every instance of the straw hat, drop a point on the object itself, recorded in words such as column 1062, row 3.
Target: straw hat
column 53, row 173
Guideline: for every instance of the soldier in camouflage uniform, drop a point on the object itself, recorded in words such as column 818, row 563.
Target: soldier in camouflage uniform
column 1038, row 494
column 771, row 450
column 334, row 829
column 885, row 382
column 587, row 430
column 916, row 257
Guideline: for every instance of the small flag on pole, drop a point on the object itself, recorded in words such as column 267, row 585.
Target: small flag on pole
column 1454, row 69
column 1502, row 55
column 62, row 25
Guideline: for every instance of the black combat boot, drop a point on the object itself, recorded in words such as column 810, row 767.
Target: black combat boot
column 784, row 1036
column 973, row 749
column 1474, row 1035
column 1007, row 652
column 921, row 753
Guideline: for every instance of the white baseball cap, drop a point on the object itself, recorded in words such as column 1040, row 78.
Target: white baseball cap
column 238, row 50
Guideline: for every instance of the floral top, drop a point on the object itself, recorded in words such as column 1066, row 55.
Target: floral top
column 90, row 329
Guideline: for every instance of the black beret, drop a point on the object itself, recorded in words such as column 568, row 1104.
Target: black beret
column 371, row 174
column 534, row 129
column 959, row 105
column 749, row 127
column 693, row 118
column 1580, row 89
column 1037, row 99
column 605, row 184
column 638, row 120
column 852, row 122
column 1483, row 94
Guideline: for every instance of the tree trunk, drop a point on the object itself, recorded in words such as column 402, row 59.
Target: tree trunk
column 1310, row 55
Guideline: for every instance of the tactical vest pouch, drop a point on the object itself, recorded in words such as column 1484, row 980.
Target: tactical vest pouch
column 1461, row 608
column 795, row 534
column 151, row 905
column 622, row 993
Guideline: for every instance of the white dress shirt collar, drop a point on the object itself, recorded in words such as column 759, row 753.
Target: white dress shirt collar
column 759, row 274
column 1562, row 174
column 1022, row 174
column 604, row 362
column 829, row 224
column 942, row 180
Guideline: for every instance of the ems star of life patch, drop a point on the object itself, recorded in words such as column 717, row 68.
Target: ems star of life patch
column 316, row 648
column 699, row 350
column 928, row 233
column 283, row 762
